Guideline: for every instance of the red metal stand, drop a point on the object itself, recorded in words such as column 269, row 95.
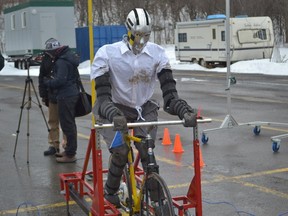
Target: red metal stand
column 77, row 183
column 193, row 199
column 76, row 187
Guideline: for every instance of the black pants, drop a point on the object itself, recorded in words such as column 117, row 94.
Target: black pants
column 119, row 154
column 66, row 109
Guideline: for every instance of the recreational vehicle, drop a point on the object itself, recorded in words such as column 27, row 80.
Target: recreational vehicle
column 204, row 42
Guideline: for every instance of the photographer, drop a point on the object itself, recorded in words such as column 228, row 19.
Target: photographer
column 49, row 99
column 64, row 84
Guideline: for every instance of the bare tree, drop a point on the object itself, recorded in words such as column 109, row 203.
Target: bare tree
column 165, row 13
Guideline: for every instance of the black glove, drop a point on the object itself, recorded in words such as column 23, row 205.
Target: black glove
column 120, row 123
column 190, row 119
column 184, row 111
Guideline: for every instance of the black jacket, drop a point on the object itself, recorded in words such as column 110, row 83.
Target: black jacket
column 46, row 72
column 65, row 73
column 2, row 62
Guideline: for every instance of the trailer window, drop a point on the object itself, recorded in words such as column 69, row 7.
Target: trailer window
column 222, row 35
column 214, row 34
column 253, row 35
column 23, row 19
column 261, row 34
column 182, row 37
column 13, row 22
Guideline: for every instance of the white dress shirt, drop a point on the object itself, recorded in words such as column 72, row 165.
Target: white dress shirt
column 132, row 76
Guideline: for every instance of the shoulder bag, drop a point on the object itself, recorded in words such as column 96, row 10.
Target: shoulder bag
column 84, row 104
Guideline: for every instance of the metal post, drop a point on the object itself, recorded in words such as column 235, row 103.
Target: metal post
column 227, row 36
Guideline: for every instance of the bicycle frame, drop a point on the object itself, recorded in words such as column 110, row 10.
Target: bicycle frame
column 131, row 166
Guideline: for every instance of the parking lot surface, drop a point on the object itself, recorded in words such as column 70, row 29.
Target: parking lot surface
column 241, row 174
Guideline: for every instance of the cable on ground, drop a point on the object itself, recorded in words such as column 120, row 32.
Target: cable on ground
column 30, row 205
column 284, row 213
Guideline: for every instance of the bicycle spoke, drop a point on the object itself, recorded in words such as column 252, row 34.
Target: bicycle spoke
column 156, row 199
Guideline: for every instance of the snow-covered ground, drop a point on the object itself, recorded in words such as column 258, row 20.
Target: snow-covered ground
column 263, row 66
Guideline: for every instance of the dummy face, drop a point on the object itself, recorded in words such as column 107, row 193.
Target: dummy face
column 138, row 40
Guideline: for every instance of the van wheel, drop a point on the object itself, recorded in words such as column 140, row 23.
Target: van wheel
column 24, row 65
column 194, row 61
column 19, row 64
column 16, row 64
column 203, row 63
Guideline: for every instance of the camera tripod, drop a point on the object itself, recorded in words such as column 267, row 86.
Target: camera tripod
column 28, row 105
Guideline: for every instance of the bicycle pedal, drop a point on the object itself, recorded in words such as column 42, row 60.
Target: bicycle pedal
column 122, row 206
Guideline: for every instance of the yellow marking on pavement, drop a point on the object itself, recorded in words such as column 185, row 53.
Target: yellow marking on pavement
column 172, row 162
column 236, row 179
column 259, row 188
column 262, row 173
column 83, row 136
column 36, row 208
column 12, row 86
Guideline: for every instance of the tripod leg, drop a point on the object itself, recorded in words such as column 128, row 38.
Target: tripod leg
column 28, row 129
column 40, row 106
column 29, row 80
column 19, row 122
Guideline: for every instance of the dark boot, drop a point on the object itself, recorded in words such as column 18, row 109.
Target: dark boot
column 66, row 159
column 51, row 151
column 60, row 154
column 113, row 199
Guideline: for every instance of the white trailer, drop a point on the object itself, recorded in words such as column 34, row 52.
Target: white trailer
column 203, row 41
column 30, row 24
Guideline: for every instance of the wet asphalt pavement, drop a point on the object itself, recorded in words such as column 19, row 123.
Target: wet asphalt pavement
column 241, row 171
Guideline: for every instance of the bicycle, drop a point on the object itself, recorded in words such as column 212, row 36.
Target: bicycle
column 134, row 191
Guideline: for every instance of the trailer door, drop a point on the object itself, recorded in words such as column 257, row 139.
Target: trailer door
column 48, row 26
column 214, row 45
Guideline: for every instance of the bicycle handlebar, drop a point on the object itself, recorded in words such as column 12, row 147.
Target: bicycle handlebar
column 154, row 123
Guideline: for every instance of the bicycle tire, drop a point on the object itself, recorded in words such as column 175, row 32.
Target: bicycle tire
column 164, row 203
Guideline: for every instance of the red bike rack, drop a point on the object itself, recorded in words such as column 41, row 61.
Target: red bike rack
column 81, row 188
column 193, row 199
column 75, row 186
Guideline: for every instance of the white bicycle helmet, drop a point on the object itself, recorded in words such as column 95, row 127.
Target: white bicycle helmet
column 138, row 24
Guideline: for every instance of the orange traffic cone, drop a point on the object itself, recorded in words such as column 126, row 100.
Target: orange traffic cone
column 199, row 112
column 202, row 164
column 178, row 145
column 166, row 137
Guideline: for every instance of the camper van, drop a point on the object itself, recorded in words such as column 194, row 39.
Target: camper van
column 203, row 41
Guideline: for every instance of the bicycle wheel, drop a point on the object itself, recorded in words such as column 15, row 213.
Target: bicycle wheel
column 156, row 198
